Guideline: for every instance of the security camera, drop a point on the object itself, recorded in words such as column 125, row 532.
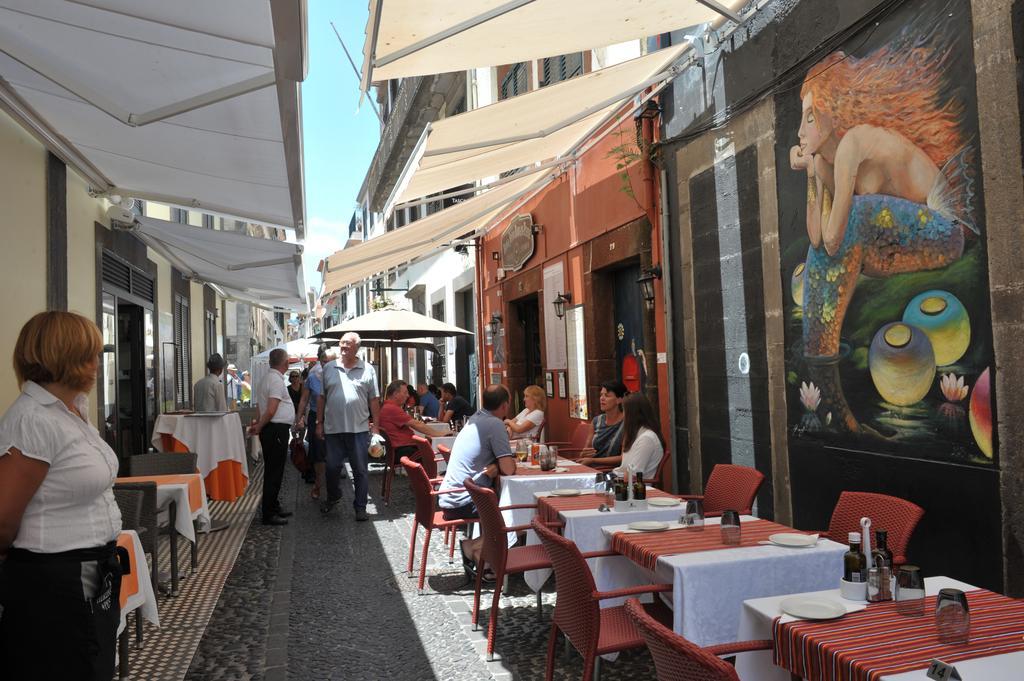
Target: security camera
column 120, row 217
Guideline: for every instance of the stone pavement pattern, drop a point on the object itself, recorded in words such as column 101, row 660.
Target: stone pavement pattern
column 328, row 598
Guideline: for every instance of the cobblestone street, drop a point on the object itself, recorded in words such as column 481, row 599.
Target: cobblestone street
column 328, row 598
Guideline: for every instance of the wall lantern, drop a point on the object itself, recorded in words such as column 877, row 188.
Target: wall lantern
column 559, row 302
column 646, row 282
column 495, row 324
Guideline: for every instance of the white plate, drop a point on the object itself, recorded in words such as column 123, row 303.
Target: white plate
column 808, row 608
column 567, row 492
column 662, row 501
column 793, row 539
column 559, row 470
column 648, row 526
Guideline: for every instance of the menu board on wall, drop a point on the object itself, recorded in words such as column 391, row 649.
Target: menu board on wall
column 576, row 368
column 554, row 328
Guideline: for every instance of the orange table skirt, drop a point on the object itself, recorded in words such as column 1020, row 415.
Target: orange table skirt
column 129, row 582
column 224, row 483
column 195, row 490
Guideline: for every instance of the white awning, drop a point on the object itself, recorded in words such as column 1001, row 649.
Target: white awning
column 191, row 103
column 352, row 265
column 261, row 271
column 538, row 126
column 419, row 37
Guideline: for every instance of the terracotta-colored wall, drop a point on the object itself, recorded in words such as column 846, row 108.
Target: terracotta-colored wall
column 584, row 203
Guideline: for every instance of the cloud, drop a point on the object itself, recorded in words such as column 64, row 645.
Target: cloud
column 323, row 237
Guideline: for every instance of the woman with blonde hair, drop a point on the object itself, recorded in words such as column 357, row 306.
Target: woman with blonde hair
column 530, row 421
column 60, row 582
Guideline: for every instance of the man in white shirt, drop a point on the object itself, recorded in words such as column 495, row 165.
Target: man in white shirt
column 273, row 425
column 209, row 390
column 349, row 398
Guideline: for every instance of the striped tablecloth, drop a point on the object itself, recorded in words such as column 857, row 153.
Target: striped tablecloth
column 644, row 548
column 549, row 507
column 878, row 641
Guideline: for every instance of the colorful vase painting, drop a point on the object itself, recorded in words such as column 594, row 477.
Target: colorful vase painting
column 981, row 413
column 796, row 285
column 944, row 319
column 902, row 364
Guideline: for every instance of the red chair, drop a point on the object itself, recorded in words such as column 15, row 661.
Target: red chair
column 676, row 659
column 389, row 469
column 592, row 630
column 729, row 487
column 575, row 445
column 445, row 452
column 497, row 554
column 425, row 456
column 898, row 516
column 427, row 516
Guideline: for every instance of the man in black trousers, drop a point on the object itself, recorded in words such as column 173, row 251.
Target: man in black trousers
column 276, row 416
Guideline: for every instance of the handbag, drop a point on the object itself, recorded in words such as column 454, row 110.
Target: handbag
column 297, row 448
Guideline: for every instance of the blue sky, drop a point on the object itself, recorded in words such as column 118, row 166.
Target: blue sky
column 339, row 139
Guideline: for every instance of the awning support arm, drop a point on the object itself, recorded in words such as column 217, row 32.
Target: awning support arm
column 724, row 11
column 490, row 185
column 212, row 97
column 458, row 28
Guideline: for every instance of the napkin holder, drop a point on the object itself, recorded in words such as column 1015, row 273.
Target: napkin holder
column 853, row 591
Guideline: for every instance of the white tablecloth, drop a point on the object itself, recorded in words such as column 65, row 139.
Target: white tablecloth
column 583, row 527
column 144, row 599
column 709, row 587
column 447, row 441
column 214, row 438
column 520, row 489
column 178, row 492
column 756, row 624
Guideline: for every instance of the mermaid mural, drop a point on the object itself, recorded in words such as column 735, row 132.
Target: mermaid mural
column 891, row 193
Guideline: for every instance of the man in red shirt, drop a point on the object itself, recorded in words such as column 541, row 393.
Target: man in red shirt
column 398, row 425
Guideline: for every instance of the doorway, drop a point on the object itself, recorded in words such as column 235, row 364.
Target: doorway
column 525, row 358
column 630, row 362
column 129, row 375
column 466, row 370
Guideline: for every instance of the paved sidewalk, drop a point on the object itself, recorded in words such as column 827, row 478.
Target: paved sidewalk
column 328, row 598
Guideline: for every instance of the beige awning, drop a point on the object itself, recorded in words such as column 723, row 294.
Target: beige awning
column 265, row 272
column 541, row 125
column 195, row 104
column 406, row 244
column 419, row 37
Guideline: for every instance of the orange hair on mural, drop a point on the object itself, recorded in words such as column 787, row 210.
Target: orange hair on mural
column 899, row 90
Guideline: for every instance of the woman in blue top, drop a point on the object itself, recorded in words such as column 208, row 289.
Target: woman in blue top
column 606, row 429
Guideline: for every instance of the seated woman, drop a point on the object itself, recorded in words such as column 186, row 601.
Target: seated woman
column 528, row 422
column 642, row 446
column 606, row 434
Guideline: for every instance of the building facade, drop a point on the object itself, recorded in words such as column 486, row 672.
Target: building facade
column 849, row 322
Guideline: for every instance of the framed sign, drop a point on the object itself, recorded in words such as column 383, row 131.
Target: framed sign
column 561, row 384
column 549, row 384
column 517, row 243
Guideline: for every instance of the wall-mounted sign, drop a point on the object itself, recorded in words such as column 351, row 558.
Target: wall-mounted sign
column 517, row 243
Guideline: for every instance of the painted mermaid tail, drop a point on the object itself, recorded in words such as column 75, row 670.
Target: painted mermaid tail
column 885, row 235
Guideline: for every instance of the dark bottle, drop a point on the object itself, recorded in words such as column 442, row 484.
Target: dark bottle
column 639, row 488
column 880, row 555
column 621, row 491
column 855, row 563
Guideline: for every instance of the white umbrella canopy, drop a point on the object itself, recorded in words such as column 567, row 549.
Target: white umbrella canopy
column 414, row 343
column 392, row 324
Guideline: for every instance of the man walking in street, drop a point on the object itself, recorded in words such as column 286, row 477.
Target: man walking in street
column 481, row 452
column 348, row 399
column 306, row 416
column 273, row 425
column 209, row 390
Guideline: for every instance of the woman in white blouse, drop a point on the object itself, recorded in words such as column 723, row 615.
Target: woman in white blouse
column 642, row 445
column 60, row 582
column 528, row 423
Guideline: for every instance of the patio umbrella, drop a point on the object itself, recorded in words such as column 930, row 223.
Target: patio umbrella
column 394, row 325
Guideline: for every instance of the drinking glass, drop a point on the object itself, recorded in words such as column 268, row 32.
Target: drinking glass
column 952, row 616
column 730, row 528
column 909, row 591
column 520, row 451
column 553, row 452
column 693, row 514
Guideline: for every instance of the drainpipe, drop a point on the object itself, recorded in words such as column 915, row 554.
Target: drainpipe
column 646, row 135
